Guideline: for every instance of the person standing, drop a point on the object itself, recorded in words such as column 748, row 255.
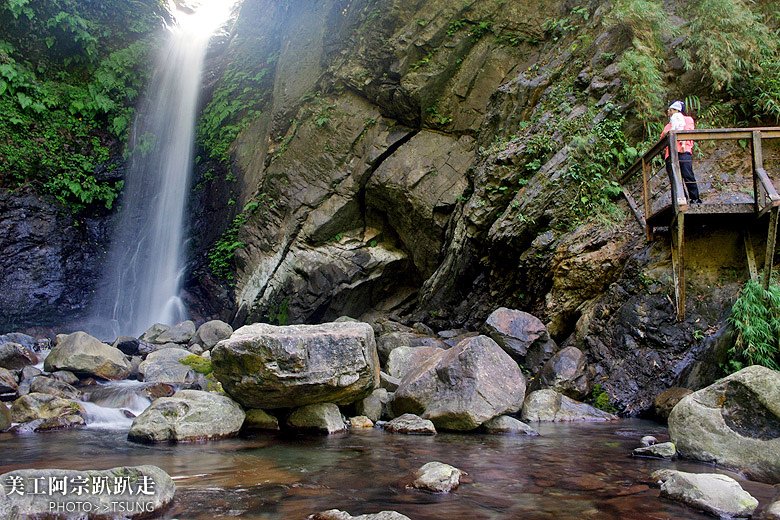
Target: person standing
column 677, row 122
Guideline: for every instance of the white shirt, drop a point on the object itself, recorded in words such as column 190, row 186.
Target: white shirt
column 678, row 121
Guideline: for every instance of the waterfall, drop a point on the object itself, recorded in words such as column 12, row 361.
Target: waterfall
column 145, row 266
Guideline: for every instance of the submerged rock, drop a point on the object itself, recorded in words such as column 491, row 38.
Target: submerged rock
column 411, row 424
column 335, row 514
column 461, row 388
column 190, row 415
column 265, row 366
column 82, row 354
column 437, row 477
column 14, row 356
column 549, row 405
column 715, row 494
column 141, row 491
column 320, row 417
column 663, row 450
column 734, row 422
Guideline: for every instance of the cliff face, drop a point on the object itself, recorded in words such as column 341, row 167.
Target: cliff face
column 414, row 159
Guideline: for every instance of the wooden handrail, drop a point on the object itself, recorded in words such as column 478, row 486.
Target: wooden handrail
column 769, row 188
column 701, row 135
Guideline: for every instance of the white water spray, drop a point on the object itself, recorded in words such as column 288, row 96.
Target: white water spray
column 146, row 263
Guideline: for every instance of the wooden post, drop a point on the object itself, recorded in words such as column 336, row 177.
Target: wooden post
column 758, row 164
column 646, row 196
column 751, row 256
column 678, row 263
column 679, row 197
column 771, row 239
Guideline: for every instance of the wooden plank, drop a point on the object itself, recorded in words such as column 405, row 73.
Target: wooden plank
column 751, row 257
column 771, row 239
column 678, row 264
column 646, row 197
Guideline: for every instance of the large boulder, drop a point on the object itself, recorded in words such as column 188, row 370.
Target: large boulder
column 461, row 388
column 265, row 366
column 180, row 333
column 734, row 422
column 549, row 405
column 189, row 415
column 522, row 335
column 712, row 493
column 404, row 359
column 163, row 366
column 566, row 372
column 83, row 354
column 51, row 386
column 211, row 333
column 411, row 424
column 15, row 356
column 320, row 417
column 666, row 401
column 35, row 406
column 140, row 491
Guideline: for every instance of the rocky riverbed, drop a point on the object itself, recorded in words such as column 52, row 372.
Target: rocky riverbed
column 341, row 378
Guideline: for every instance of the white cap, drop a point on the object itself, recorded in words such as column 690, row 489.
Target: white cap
column 677, row 105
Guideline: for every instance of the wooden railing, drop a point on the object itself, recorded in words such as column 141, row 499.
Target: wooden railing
column 765, row 197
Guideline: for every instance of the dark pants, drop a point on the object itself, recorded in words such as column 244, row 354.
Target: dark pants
column 686, row 168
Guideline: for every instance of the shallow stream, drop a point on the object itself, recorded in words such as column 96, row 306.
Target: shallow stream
column 577, row 471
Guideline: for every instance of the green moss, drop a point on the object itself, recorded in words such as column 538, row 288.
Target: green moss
column 600, row 399
column 198, row 364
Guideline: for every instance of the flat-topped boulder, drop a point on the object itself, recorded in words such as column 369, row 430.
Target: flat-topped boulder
column 734, row 422
column 164, row 366
column 35, row 406
column 461, row 388
column 266, row 366
column 85, row 355
column 189, row 415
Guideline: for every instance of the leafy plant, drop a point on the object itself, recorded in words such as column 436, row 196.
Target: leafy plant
column 223, row 251
column 755, row 317
column 600, row 399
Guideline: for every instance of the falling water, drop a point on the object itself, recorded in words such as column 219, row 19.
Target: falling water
column 143, row 277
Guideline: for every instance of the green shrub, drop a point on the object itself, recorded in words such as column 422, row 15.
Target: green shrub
column 727, row 41
column 600, row 399
column 755, row 317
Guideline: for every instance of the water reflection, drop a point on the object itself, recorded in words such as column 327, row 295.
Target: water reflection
column 571, row 472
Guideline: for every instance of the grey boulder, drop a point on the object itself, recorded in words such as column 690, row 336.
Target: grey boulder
column 5, row 417
column 189, row 415
column 14, row 356
column 663, row 450
column 508, row 425
column 437, row 477
column 8, row 382
column 411, row 424
column 551, row 406
column 211, row 333
column 320, row 417
column 335, row 514
column 403, row 360
column 36, row 406
column 82, row 354
column 265, row 366
column 48, row 385
column 566, row 373
column 734, row 422
column 523, row 336
column 164, row 366
column 712, row 493
column 180, row 334
column 461, row 388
